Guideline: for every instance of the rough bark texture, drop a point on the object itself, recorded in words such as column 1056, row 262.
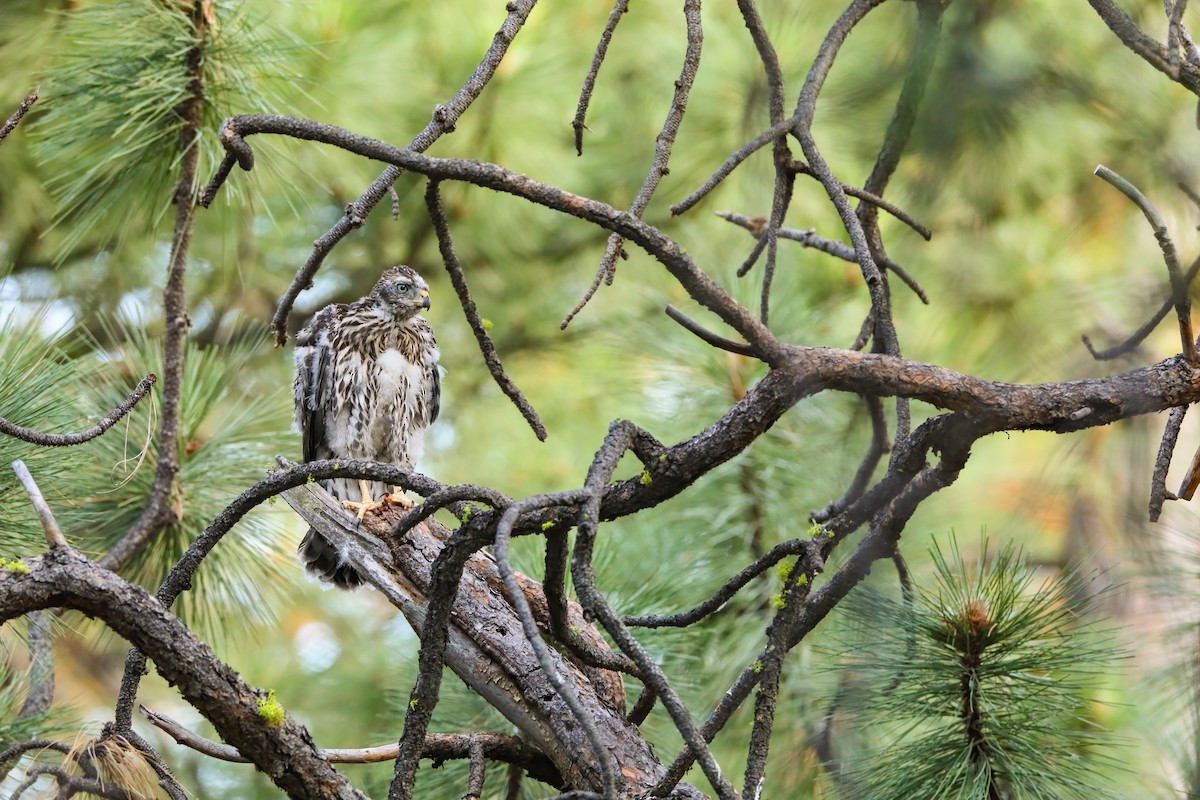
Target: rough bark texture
column 487, row 648
column 64, row 578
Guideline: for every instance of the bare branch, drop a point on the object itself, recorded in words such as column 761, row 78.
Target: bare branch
column 642, row 706
column 725, row 593
column 603, row 273
column 1139, row 336
column 453, row 497
column 558, row 611
column 1151, row 50
column 66, row 439
column 20, row 748
column 732, row 162
column 929, row 25
column 809, row 238
column 873, row 199
column 475, row 781
column 13, row 121
column 1166, row 448
column 781, row 196
column 716, row 341
column 438, row 746
column 589, row 81
column 54, row 535
column 1179, row 287
column 1191, row 480
column 441, row 226
column 662, row 148
column 885, row 332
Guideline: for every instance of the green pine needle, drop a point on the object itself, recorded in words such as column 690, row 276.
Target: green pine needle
column 111, row 133
column 33, row 373
column 979, row 688
column 231, row 428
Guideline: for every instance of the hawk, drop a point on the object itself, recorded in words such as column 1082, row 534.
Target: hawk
column 367, row 386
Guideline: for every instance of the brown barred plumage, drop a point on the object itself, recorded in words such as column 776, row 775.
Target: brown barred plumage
column 367, row 385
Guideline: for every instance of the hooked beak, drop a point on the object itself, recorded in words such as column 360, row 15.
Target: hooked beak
column 425, row 300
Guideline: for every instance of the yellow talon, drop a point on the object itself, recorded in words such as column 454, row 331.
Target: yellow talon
column 367, row 505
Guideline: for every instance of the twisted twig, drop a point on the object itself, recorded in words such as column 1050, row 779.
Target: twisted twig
column 662, row 150
column 67, row 439
column 441, row 226
column 13, row 121
column 445, row 118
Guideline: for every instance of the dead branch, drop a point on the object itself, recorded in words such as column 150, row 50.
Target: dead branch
column 54, row 535
column 445, row 118
column 67, row 439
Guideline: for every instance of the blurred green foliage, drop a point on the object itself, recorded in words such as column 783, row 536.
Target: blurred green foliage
column 1029, row 251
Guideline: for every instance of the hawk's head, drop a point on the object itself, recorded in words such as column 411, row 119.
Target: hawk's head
column 402, row 292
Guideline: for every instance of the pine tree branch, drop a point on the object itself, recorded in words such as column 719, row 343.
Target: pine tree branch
column 64, row 578
column 67, row 439
column 445, row 118
column 441, row 226
column 13, row 121
column 158, row 512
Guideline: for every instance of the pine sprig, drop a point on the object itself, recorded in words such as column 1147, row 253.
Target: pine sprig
column 231, row 428
column 979, row 687
column 35, row 373
column 111, row 130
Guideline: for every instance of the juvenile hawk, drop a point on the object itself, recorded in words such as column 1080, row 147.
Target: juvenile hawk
column 367, row 386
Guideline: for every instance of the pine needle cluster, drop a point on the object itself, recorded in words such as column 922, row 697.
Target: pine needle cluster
column 33, row 371
column 231, row 428
column 111, row 134
column 977, row 687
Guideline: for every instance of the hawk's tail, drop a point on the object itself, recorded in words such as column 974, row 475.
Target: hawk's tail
column 323, row 560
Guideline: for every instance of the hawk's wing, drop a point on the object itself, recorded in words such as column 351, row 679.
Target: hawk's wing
column 435, row 393
column 314, row 384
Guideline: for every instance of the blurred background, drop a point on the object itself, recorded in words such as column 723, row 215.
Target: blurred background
column 1029, row 252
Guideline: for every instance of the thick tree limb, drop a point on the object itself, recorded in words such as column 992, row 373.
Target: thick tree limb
column 285, row 753
column 485, row 644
